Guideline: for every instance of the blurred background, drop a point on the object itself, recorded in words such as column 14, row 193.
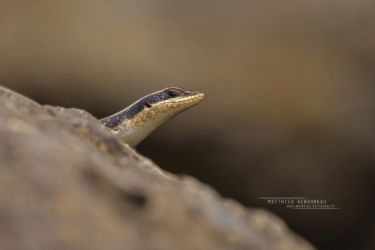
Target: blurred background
column 290, row 95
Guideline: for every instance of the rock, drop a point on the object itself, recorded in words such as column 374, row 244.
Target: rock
column 66, row 182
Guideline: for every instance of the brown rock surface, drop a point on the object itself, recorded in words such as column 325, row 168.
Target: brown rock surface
column 67, row 183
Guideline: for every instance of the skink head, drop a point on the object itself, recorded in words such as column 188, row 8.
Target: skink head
column 145, row 115
column 164, row 104
column 172, row 100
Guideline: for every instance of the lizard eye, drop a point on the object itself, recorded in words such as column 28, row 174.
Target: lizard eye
column 173, row 92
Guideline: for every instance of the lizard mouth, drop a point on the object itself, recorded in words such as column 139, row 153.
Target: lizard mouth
column 185, row 101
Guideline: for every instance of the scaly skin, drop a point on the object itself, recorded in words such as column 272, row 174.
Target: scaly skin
column 136, row 122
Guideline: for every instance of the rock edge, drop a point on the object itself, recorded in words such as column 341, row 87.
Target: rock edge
column 66, row 182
